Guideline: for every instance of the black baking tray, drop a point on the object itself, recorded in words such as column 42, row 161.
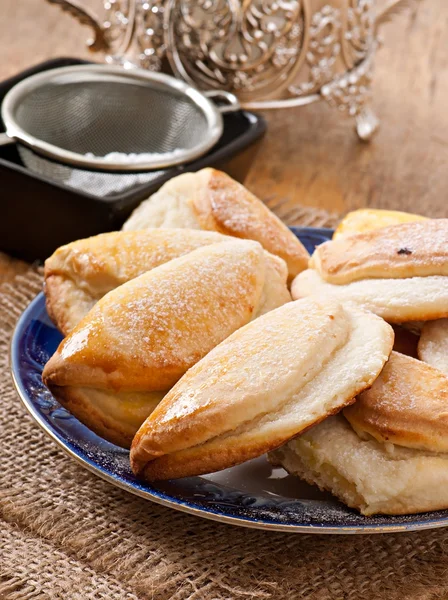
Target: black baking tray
column 39, row 215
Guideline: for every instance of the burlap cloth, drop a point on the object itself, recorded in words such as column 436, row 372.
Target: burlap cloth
column 67, row 534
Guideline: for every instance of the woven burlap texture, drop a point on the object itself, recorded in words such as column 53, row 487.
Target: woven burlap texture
column 67, row 534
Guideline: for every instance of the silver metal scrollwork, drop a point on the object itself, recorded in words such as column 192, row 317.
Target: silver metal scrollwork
column 270, row 53
column 250, row 48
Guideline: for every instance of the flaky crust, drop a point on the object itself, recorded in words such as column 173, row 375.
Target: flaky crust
column 264, row 384
column 78, row 274
column 396, row 300
column 211, row 200
column 66, row 303
column 145, row 334
column 219, row 454
column 372, row 477
column 433, row 344
column 115, row 417
column 415, row 249
column 407, row 406
column 275, row 290
column 141, row 337
column 228, row 207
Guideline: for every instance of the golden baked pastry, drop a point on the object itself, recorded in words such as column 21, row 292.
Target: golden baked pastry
column 115, row 416
column 366, row 219
column 77, row 275
column 141, row 337
column 264, row 384
column 396, row 300
column 387, row 452
column 416, row 249
column 373, row 477
column 407, row 405
column 211, row 200
column 433, row 344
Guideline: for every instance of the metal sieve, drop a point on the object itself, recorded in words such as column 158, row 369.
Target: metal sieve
column 106, row 118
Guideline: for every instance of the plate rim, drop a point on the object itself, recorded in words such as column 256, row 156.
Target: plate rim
column 178, row 504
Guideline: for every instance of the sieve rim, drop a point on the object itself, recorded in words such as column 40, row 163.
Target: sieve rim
column 13, row 98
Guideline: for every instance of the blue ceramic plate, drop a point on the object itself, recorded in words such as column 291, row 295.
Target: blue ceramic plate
column 253, row 494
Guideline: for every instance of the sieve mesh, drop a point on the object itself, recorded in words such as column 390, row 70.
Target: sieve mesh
column 107, row 116
column 129, row 126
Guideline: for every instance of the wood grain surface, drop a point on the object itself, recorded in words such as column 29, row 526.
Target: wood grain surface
column 311, row 155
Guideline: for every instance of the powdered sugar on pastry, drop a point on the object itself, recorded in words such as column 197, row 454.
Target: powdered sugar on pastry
column 365, row 474
column 77, row 275
column 416, row 249
column 213, row 201
column 145, row 334
column 407, row 405
column 433, row 344
column 396, row 300
column 264, row 384
column 114, row 367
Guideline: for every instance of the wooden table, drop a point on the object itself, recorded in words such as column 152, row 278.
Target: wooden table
column 310, row 155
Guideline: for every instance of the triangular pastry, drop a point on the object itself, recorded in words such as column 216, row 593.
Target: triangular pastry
column 407, row 405
column 388, row 452
column 398, row 272
column 211, row 200
column 78, row 274
column 416, row 249
column 141, row 337
column 267, row 382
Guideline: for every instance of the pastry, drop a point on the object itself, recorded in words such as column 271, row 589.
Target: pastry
column 387, row 453
column 396, row 300
column 417, row 249
column 114, row 416
column 398, row 272
column 366, row 219
column 213, row 201
column 433, row 344
column 407, row 406
column 77, row 275
column 141, row 337
column 372, row 477
column 263, row 385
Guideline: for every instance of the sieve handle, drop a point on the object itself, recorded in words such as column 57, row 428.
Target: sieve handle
column 5, row 139
column 232, row 102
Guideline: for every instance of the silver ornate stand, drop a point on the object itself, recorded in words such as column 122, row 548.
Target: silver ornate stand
column 271, row 53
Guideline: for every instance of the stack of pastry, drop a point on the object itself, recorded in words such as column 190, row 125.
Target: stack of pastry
column 388, row 452
column 140, row 307
column 183, row 343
